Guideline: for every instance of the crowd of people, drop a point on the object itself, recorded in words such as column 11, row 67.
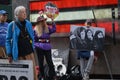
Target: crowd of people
column 18, row 40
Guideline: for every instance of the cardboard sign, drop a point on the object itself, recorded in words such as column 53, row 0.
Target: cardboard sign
column 60, row 60
column 51, row 10
column 19, row 70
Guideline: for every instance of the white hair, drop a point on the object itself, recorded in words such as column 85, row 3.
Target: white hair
column 17, row 11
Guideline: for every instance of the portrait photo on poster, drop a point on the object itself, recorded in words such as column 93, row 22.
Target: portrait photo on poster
column 84, row 38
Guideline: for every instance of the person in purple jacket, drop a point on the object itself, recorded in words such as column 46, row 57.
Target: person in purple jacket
column 42, row 45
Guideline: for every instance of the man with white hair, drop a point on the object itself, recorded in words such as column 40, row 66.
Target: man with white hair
column 19, row 39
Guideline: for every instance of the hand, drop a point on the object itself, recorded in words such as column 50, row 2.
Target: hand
column 10, row 59
column 52, row 18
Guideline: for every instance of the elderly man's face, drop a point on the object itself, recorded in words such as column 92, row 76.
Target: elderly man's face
column 22, row 15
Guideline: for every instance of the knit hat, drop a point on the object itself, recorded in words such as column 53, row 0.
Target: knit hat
column 40, row 18
column 3, row 12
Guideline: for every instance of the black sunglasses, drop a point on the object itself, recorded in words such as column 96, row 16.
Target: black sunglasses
column 5, row 14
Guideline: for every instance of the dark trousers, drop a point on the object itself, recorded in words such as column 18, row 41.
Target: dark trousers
column 47, row 54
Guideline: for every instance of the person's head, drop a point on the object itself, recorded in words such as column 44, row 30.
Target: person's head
column 41, row 21
column 88, row 23
column 41, row 25
column 89, row 34
column 99, row 34
column 20, row 13
column 81, row 32
column 3, row 16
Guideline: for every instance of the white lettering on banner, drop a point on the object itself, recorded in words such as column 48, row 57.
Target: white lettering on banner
column 19, row 70
column 51, row 9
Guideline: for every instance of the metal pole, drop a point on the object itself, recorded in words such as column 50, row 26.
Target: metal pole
column 113, row 26
column 108, row 65
column 94, row 18
column 119, row 15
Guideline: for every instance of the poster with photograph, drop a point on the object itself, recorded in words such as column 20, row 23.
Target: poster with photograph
column 84, row 38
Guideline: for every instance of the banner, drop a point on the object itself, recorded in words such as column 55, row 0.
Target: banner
column 19, row 70
column 51, row 10
column 84, row 38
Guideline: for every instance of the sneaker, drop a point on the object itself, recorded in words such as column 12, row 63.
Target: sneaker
column 86, row 76
column 41, row 79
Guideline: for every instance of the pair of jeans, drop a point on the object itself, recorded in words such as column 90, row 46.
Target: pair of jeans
column 86, row 64
column 47, row 54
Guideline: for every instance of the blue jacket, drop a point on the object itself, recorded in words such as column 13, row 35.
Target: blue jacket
column 12, row 38
column 3, row 32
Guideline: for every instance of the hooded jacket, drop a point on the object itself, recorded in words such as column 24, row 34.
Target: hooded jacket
column 12, row 38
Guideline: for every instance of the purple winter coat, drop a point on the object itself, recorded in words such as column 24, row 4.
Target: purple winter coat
column 44, row 46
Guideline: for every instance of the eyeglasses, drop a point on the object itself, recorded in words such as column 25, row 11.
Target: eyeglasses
column 5, row 14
